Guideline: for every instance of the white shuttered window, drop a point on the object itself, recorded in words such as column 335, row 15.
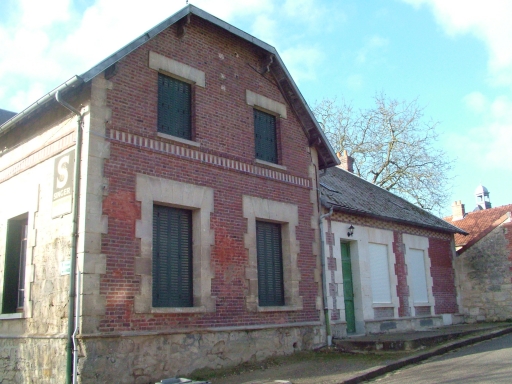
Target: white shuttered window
column 379, row 270
column 417, row 275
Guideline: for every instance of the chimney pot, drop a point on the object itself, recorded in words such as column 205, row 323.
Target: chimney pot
column 347, row 162
column 458, row 210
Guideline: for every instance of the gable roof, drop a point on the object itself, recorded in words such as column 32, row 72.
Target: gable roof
column 289, row 89
column 348, row 193
column 5, row 115
column 479, row 224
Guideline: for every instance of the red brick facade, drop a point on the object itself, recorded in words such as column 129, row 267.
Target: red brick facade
column 223, row 126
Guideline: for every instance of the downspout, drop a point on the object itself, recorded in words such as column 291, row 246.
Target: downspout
column 324, row 278
column 74, row 240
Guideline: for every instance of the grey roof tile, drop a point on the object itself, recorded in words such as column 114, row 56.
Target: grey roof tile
column 349, row 193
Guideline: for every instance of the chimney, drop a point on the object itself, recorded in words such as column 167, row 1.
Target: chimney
column 458, row 211
column 347, row 162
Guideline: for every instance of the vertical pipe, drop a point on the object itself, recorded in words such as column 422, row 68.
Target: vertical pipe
column 74, row 240
column 324, row 279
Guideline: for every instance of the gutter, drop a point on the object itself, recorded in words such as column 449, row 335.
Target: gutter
column 72, row 330
column 11, row 123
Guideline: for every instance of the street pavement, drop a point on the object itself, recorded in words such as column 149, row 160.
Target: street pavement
column 486, row 362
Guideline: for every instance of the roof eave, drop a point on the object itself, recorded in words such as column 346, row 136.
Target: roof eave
column 352, row 211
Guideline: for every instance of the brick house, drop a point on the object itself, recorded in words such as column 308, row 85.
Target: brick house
column 190, row 213
column 388, row 263
column 483, row 264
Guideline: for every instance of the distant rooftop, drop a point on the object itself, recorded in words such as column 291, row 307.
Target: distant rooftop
column 5, row 115
column 478, row 224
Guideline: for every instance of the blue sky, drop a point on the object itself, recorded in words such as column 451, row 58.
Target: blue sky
column 454, row 56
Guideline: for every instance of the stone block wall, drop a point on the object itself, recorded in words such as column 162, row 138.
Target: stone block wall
column 152, row 357
column 485, row 277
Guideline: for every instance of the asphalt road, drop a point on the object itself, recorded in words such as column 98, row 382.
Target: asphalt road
column 486, row 362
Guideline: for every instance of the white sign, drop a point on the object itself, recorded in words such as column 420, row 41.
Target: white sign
column 65, row 267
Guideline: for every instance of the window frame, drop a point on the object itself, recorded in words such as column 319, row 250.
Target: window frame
column 270, row 264
column 265, row 132
column 174, row 268
column 16, row 252
column 172, row 129
column 184, row 73
column 150, row 191
column 285, row 214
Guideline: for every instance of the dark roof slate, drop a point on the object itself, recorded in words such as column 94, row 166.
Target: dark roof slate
column 346, row 192
column 5, row 115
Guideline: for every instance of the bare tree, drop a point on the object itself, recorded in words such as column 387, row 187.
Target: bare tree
column 393, row 146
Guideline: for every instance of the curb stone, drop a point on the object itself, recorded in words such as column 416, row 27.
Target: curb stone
column 372, row 373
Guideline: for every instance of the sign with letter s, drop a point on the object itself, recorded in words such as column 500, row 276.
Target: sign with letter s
column 62, row 197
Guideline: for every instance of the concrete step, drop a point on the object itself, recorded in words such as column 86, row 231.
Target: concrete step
column 398, row 342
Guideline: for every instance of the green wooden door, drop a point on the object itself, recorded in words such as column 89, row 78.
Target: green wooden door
column 348, row 288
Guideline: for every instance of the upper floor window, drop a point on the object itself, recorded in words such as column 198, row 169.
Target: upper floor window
column 265, row 136
column 174, row 107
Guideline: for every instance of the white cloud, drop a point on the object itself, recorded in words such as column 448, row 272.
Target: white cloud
column 488, row 145
column 265, row 29
column 303, row 62
column 371, row 48
column 488, row 21
column 475, row 101
column 46, row 43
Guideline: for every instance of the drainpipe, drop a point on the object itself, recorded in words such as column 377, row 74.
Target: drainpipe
column 74, row 240
column 324, row 278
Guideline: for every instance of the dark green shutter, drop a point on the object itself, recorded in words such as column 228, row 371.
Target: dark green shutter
column 270, row 264
column 265, row 136
column 174, row 107
column 172, row 257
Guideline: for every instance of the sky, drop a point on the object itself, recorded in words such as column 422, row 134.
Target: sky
column 454, row 56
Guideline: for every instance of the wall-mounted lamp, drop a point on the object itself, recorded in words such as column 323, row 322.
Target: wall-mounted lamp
column 350, row 231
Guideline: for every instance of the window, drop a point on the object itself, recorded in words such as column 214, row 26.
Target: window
column 14, row 271
column 379, row 272
column 416, row 269
column 270, row 264
column 192, row 219
column 265, row 136
column 273, row 252
column 172, row 257
column 174, row 107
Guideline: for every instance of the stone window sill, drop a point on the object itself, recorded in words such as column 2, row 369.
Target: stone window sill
column 284, row 308
column 11, row 316
column 178, row 139
column 270, row 165
column 383, row 305
column 201, row 309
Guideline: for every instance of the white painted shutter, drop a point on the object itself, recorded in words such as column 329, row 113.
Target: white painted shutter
column 379, row 270
column 417, row 276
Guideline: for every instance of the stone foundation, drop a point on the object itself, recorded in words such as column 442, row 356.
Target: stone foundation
column 140, row 358
column 32, row 360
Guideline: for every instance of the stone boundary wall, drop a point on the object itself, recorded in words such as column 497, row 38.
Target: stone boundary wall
column 148, row 358
column 32, row 360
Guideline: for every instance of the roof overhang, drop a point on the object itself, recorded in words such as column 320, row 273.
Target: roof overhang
column 357, row 212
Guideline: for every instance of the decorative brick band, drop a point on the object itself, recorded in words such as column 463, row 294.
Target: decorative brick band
column 39, row 156
column 197, row 155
